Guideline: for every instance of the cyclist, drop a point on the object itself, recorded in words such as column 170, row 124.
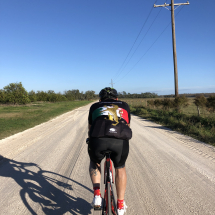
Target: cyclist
column 109, row 129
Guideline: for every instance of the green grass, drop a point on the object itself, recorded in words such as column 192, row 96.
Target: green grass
column 14, row 119
column 187, row 122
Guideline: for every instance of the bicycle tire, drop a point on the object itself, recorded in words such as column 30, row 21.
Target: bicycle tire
column 114, row 206
column 109, row 199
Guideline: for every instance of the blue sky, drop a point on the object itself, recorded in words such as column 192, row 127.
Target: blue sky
column 81, row 44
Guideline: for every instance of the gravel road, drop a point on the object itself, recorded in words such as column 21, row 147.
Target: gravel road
column 44, row 170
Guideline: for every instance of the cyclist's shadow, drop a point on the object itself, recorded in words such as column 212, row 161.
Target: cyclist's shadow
column 43, row 188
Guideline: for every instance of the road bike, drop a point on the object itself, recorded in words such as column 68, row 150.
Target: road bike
column 109, row 203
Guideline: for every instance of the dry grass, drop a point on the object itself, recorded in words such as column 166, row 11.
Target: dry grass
column 187, row 121
column 190, row 110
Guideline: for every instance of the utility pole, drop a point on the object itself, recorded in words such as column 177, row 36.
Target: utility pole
column 174, row 40
column 112, row 83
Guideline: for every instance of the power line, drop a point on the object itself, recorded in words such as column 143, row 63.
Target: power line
column 139, row 43
column 144, row 53
column 135, row 40
column 148, row 48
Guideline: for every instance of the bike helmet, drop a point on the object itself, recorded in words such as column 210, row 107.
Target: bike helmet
column 108, row 93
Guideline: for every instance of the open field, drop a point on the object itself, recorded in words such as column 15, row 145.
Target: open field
column 16, row 118
column 186, row 122
column 190, row 110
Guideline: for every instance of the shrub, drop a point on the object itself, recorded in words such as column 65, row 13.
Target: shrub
column 157, row 102
column 211, row 103
column 180, row 102
column 15, row 93
column 150, row 102
column 200, row 101
column 167, row 103
column 132, row 109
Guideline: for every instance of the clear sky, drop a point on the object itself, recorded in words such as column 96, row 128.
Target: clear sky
column 82, row 44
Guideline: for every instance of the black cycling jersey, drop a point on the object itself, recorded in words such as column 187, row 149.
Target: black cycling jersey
column 110, row 118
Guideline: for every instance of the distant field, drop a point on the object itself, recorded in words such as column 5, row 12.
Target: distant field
column 14, row 119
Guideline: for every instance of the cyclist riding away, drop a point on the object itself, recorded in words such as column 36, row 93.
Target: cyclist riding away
column 109, row 129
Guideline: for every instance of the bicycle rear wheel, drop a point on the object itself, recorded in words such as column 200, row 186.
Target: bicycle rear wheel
column 113, row 202
column 109, row 199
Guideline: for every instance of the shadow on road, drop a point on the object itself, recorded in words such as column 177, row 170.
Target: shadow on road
column 47, row 189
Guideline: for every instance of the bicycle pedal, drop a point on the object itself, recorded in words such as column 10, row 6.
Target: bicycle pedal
column 97, row 208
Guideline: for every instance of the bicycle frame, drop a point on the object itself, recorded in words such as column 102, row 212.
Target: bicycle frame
column 109, row 203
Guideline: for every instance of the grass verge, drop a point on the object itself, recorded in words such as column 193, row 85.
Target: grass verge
column 14, row 119
column 200, row 128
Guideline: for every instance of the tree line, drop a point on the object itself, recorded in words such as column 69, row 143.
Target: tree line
column 191, row 95
column 15, row 93
column 136, row 95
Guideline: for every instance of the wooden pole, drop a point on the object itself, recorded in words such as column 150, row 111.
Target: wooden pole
column 174, row 41
column 174, row 49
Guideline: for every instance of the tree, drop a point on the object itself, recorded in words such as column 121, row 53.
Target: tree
column 90, row 94
column 211, row 103
column 61, row 97
column 52, row 97
column 73, row 95
column 42, row 96
column 2, row 96
column 16, row 94
column 180, row 102
column 200, row 101
column 69, row 95
column 32, row 96
column 124, row 93
column 76, row 94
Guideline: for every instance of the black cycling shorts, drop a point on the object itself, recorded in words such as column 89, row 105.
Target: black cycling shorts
column 119, row 148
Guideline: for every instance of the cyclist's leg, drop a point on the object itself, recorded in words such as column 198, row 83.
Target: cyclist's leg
column 95, row 174
column 95, row 147
column 121, row 180
column 119, row 156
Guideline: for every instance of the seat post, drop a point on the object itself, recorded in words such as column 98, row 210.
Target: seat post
column 108, row 166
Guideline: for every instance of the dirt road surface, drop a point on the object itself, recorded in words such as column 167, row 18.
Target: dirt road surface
column 45, row 170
